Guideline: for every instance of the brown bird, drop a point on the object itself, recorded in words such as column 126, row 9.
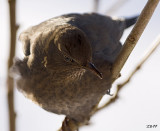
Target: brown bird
column 63, row 57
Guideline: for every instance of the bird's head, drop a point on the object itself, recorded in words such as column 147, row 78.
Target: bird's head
column 75, row 48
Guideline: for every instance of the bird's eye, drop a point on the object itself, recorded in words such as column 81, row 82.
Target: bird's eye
column 68, row 59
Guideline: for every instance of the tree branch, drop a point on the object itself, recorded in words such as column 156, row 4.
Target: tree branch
column 133, row 37
column 116, row 6
column 69, row 125
column 96, row 5
column 156, row 43
column 150, row 51
column 10, row 91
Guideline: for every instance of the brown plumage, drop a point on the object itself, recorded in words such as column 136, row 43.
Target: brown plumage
column 57, row 71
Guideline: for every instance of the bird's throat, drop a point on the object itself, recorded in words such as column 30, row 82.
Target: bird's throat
column 73, row 75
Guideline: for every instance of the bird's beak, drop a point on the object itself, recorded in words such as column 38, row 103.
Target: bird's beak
column 92, row 68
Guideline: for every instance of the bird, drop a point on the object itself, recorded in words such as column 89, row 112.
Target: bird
column 67, row 62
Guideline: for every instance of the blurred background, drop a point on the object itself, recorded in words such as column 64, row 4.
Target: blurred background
column 139, row 102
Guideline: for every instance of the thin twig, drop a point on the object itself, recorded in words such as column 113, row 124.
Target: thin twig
column 10, row 92
column 150, row 51
column 145, row 57
column 69, row 125
column 133, row 37
column 96, row 5
column 116, row 6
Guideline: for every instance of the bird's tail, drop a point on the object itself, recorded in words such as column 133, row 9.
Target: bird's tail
column 131, row 21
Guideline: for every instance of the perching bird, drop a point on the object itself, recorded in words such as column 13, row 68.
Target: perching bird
column 63, row 57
